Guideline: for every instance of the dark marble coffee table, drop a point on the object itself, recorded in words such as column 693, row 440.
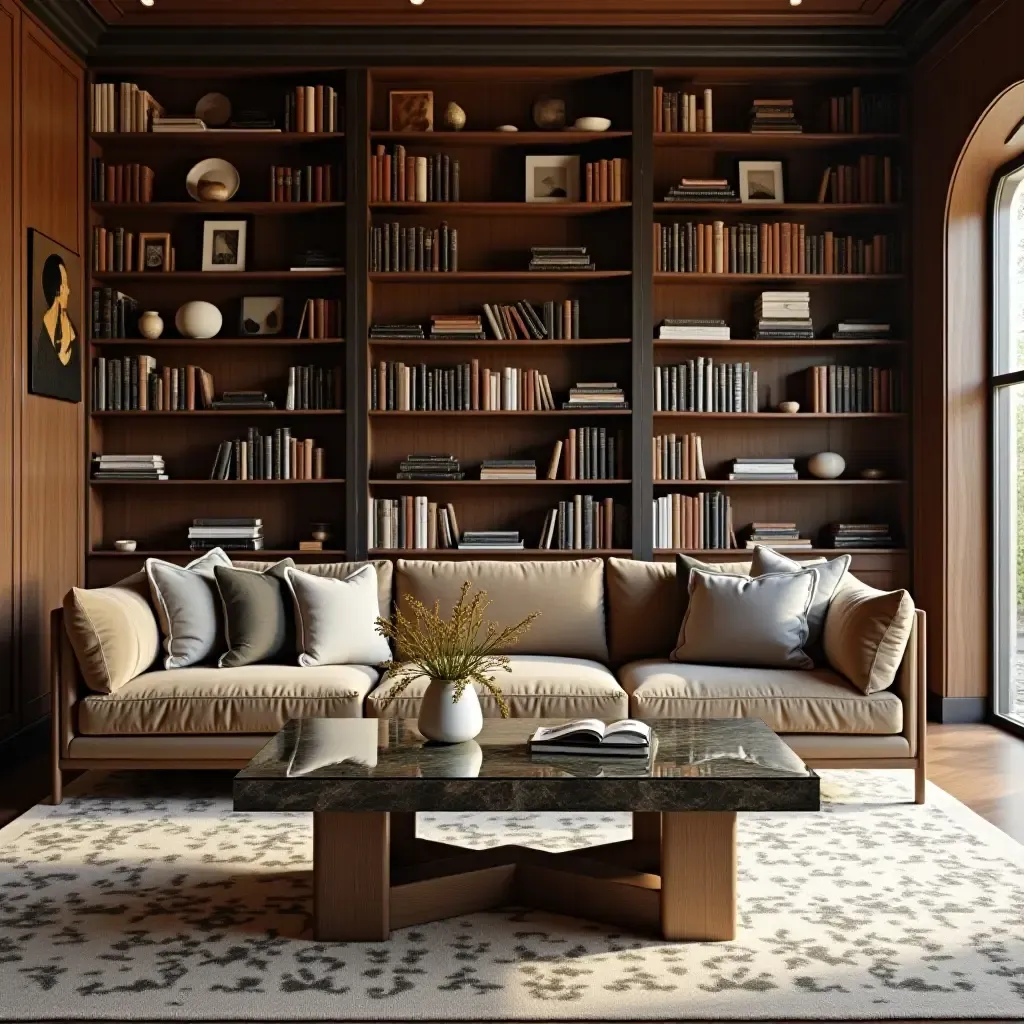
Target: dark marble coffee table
column 365, row 779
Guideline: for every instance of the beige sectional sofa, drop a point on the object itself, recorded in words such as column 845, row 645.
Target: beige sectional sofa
column 600, row 648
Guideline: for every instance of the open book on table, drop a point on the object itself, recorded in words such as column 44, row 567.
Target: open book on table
column 628, row 738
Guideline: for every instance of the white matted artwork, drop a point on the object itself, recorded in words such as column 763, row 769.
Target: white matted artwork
column 552, row 179
column 224, row 245
column 761, row 181
column 262, row 314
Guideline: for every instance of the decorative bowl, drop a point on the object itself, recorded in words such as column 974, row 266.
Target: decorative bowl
column 826, row 465
column 198, row 320
column 125, row 545
column 592, row 124
column 506, row 128
column 789, row 407
column 212, row 170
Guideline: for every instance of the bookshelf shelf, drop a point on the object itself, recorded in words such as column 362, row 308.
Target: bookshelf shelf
column 778, row 343
column 492, row 276
column 205, row 413
column 171, row 277
column 215, row 138
column 216, row 483
column 226, row 208
column 510, row 413
column 771, row 142
column 499, row 209
column 267, row 341
column 492, row 343
column 853, row 482
column 494, row 138
column 577, row 484
column 726, row 280
column 750, row 210
column 781, row 416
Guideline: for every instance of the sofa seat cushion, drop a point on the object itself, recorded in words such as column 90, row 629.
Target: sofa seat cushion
column 537, row 687
column 253, row 699
column 787, row 700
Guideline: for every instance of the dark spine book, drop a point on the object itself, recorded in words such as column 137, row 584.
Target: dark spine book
column 446, row 179
column 410, row 249
column 455, row 181
column 278, row 462
column 444, row 246
column 453, row 257
column 250, row 453
column 237, row 460
column 431, row 187
column 575, row 319
column 549, row 319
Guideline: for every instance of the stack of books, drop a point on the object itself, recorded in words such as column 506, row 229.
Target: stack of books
column 627, row 738
column 316, row 259
column 453, row 326
column 702, row 190
column 508, row 469
column 235, row 534
column 858, row 535
column 490, row 540
column 243, row 400
column 560, row 258
column 178, row 124
column 762, row 469
column 128, row 467
column 781, row 536
column 694, row 329
column 581, row 523
column 774, row 117
column 861, row 330
column 596, row 395
column 430, row 467
column 393, row 332
column 784, row 315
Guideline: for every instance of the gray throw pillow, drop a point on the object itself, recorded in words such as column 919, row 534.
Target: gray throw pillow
column 684, row 566
column 187, row 607
column 828, row 576
column 733, row 620
column 257, row 609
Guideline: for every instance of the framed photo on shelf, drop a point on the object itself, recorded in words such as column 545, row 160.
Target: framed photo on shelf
column 552, row 179
column 154, row 251
column 224, row 245
column 262, row 315
column 761, row 182
column 411, row 110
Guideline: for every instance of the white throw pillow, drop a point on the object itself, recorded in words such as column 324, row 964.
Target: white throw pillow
column 187, row 606
column 335, row 620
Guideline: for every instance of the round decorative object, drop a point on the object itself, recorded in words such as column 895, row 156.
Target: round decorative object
column 444, row 721
column 321, row 532
column 549, row 113
column 873, row 473
column 826, row 465
column 213, row 191
column 198, row 320
column 789, row 407
column 506, row 128
column 151, row 324
column 125, row 545
column 455, row 117
column 211, row 170
column 214, row 109
column 592, row 124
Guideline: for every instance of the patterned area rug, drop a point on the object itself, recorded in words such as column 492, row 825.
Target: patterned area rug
column 127, row 903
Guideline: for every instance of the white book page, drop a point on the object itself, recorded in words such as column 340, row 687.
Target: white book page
column 557, row 732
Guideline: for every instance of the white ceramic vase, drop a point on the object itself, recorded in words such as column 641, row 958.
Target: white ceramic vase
column 826, row 465
column 198, row 320
column 443, row 720
column 151, row 324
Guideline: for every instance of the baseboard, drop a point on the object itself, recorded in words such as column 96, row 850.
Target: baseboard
column 957, row 710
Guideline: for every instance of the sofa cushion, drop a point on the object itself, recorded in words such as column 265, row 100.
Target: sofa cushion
column 253, row 699
column 569, row 596
column 113, row 632
column 258, row 617
column 787, row 700
column 866, row 633
column 537, row 687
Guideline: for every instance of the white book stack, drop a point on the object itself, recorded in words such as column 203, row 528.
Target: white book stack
column 764, row 470
column 784, row 315
column 128, row 467
column 691, row 329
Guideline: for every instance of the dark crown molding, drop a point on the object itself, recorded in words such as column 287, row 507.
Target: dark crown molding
column 921, row 23
column 74, row 22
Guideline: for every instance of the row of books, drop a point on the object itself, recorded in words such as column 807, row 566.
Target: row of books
column 702, row 385
column 854, row 389
column 693, row 522
column 430, row 467
column 581, row 523
column 556, row 258
column 398, row 249
column 781, row 536
column 120, row 251
column 127, row 467
column 512, row 321
column 774, row 117
column 313, row 108
column 121, row 107
column 589, row 453
column 313, row 387
column 856, row 112
column 702, row 190
column 314, row 183
column 763, row 469
column 776, row 249
column 241, row 533
column 114, row 314
column 693, row 329
column 321, row 318
column 606, row 181
column 678, row 457
column 397, row 177
column 873, row 179
column 398, row 386
column 276, row 456
column 120, row 183
column 412, row 522
column 137, row 384
column 683, row 111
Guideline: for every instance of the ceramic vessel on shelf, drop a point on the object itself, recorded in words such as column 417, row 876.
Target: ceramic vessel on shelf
column 826, row 465
column 151, row 324
column 198, row 320
column 455, row 117
column 213, row 192
column 214, row 109
column 506, row 128
column 125, row 545
column 592, row 124
column 789, row 407
column 549, row 113
column 321, row 532
column 443, row 720
column 209, row 171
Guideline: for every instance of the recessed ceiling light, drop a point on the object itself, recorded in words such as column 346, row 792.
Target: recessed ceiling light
column 416, row 2
column 147, row 3
column 792, row 3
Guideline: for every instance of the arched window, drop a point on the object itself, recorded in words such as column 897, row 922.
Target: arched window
column 1007, row 381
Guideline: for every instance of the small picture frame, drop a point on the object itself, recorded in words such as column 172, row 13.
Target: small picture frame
column 262, row 315
column 553, row 179
column 224, row 245
column 154, row 251
column 761, row 182
column 411, row 110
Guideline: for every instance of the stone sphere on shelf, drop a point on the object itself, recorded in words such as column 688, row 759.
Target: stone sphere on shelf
column 826, row 465
column 455, row 117
column 549, row 113
column 198, row 320
column 151, row 324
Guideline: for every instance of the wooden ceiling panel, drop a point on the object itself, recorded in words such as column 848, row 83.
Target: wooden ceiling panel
column 656, row 13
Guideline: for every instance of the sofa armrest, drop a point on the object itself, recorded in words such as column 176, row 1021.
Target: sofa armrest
column 65, row 684
column 911, row 686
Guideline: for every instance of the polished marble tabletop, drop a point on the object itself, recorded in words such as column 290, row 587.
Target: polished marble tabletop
column 350, row 764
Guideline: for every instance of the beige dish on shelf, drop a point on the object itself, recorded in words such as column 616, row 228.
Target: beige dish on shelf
column 212, row 171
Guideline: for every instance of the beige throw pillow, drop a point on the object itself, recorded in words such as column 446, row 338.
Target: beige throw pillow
column 866, row 633
column 113, row 633
column 759, row 622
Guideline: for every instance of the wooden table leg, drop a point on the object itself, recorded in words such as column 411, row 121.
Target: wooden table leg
column 698, row 875
column 403, row 837
column 351, row 876
column 646, row 827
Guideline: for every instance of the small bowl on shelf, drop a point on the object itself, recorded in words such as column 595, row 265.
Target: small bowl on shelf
column 592, row 124
column 126, row 546
column 789, row 407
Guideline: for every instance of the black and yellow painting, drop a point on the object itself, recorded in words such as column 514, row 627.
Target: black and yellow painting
column 55, row 320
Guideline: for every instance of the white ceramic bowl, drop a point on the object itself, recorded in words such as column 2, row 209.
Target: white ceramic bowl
column 213, row 169
column 125, row 545
column 592, row 124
